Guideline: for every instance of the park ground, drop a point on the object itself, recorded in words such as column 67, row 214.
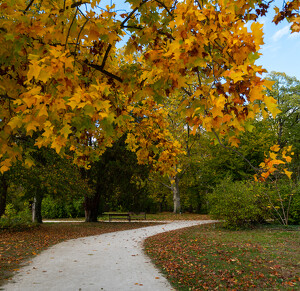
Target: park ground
column 196, row 258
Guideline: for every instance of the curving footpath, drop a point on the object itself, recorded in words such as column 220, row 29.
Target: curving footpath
column 109, row 262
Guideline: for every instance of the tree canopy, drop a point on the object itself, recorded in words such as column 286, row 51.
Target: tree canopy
column 65, row 83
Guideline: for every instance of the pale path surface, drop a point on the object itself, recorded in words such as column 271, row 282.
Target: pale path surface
column 110, row 262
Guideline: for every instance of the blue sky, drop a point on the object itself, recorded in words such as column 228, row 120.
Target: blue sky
column 281, row 51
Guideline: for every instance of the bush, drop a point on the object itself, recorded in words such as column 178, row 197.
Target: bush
column 14, row 219
column 58, row 208
column 290, row 198
column 294, row 216
column 239, row 204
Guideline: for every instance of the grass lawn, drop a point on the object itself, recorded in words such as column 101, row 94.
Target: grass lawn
column 210, row 258
column 18, row 246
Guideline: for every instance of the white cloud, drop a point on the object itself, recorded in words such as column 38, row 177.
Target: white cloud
column 294, row 35
column 281, row 33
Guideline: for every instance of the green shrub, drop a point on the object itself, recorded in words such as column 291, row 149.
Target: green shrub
column 16, row 219
column 294, row 215
column 239, row 204
column 58, row 208
column 289, row 194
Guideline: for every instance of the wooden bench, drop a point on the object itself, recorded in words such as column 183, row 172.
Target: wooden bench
column 127, row 215
column 137, row 216
column 118, row 216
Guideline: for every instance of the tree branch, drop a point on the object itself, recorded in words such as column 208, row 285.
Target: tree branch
column 70, row 27
column 7, row 97
column 100, row 69
column 169, row 187
column 74, row 5
column 164, row 6
column 28, row 6
column 106, row 56
column 132, row 12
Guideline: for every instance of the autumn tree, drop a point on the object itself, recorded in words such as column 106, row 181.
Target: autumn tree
column 63, row 77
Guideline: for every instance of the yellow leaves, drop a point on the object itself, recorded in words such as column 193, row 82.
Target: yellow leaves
column 288, row 173
column 29, row 162
column 269, row 84
column 15, row 122
column 234, row 75
column 43, row 111
column 218, row 106
column 271, row 105
column 288, row 159
column 58, row 144
column 5, row 165
column 4, row 169
column 66, row 130
column 275, row 148
column 234, row 141
column 274, row 163
column 257, row 32
column 31, row 127
column 256, row 93
column 34, row 70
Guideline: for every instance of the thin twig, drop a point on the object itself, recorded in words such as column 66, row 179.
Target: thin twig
column 151, row 180
column 81, row 29
column 70, row 27
column 132, row 12
column 164, row 6
column 106, row 56
column 199, row 4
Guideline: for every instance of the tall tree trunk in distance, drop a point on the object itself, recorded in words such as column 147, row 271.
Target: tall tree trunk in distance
column 37, row 207
column 91, row 207
column 3, row 193
column 176, row 193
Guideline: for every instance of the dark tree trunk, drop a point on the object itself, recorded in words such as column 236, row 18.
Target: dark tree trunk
column 37, row 207
column 3, row 193
column 91, row 207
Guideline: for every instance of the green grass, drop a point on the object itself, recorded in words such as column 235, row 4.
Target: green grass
column 209, row 258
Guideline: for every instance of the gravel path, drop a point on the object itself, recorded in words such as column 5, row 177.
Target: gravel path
column 109, row 262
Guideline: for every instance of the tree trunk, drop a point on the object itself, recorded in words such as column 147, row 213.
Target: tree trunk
column 91, row 207
column 176, row 194
column 3, row 194
column 37, row 207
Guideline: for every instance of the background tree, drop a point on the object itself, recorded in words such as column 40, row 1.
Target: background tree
column 286, row 90
column 118, row 183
